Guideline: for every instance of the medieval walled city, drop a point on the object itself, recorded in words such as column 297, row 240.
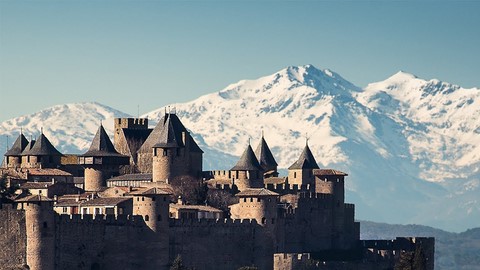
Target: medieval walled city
column 145, row 202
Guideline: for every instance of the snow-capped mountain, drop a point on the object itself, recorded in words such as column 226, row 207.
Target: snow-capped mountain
column 390, row 137
column 69, row 127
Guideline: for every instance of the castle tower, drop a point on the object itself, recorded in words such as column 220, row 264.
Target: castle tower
column 262, row 205
column 13, row 157
column 129, row 135
column 256, row 203
column 153, row 205
column 101, row 161
column 301, row 172
column 247, row 172
column 40, row 230
column 41, row 155
column 170, row 151
column 331, row 181
column 266, row 159
column 175, row 154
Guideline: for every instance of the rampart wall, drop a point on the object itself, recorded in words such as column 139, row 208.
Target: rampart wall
column 221, row 244
column 13, row 239
column 104, row 242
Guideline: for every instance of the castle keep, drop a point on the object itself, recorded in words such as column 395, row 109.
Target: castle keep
column 128, row 205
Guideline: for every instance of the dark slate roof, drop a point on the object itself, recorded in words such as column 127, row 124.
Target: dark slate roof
column 265, row 157
column 328, row 172
column 28, row 147
column 132, row 177
column 42, row 147
column 256, row 192
column 102, row 146
column 150, row 191
column 168, row 133
column 108, row 201
column 248, row 162
column 203, row 208
column 194, row 146
column 171, row 135
column 34, row 198
column 305, row 161
column 20, row 143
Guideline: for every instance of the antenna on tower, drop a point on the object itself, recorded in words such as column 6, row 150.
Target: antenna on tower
column 7, row 143
column 306, row 138
column 138, row 111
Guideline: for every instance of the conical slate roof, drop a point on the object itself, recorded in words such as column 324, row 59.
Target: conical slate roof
column 265, row 157
column 171, row 134
column 42, row 147
column 305, row 161
column 101, row 145
column 168, row 133
column 28, row 147
column 20, row 143
column 248, row 161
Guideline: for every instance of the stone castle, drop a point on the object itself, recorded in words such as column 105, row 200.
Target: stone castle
column 116, row 207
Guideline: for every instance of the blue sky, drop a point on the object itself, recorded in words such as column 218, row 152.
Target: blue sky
column 151, row 53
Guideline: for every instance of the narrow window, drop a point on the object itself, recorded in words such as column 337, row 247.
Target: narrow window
column 295, row 175
column 45, row 225
column 159, row 218
column 147, row 218
column 264, row 220
column 165, row 152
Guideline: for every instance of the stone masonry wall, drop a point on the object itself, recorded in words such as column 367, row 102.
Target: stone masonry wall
column 13, row 240
column 222, row 244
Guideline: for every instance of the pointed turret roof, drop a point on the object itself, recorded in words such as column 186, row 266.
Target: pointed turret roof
column 248, row 161
column 167, row 133
column 18, row 146
column 265, row 157
column 28, row 147
column 305, row 161
column 101, row 145
column 42, row 147
column 171, row 134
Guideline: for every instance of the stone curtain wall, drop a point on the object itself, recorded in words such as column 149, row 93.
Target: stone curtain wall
column 13, row 239
column 220, row 245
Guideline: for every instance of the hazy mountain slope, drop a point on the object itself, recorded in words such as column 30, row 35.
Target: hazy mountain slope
column 69, row 127
column 343, row 133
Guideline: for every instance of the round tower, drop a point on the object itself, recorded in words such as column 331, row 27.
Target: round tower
column 152, row 204
column 40, row 230
column 13, row 157
column 257, row 203
column 163, row 164
column 101, row 161
column 248, row 173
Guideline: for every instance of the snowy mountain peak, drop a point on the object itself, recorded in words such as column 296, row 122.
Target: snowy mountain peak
column 69, row 127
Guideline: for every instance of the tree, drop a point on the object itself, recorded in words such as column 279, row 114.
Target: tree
column 178, row 263
column 220, row 199
column 190, row 188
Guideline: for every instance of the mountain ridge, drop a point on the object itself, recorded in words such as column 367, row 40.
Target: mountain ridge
column 372, row 133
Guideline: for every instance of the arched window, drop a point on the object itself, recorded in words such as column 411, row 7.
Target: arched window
column 147, row 218
column 294, row 174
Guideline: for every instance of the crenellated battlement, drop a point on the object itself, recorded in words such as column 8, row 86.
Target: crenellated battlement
column 226, row 222
column 108, row 220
